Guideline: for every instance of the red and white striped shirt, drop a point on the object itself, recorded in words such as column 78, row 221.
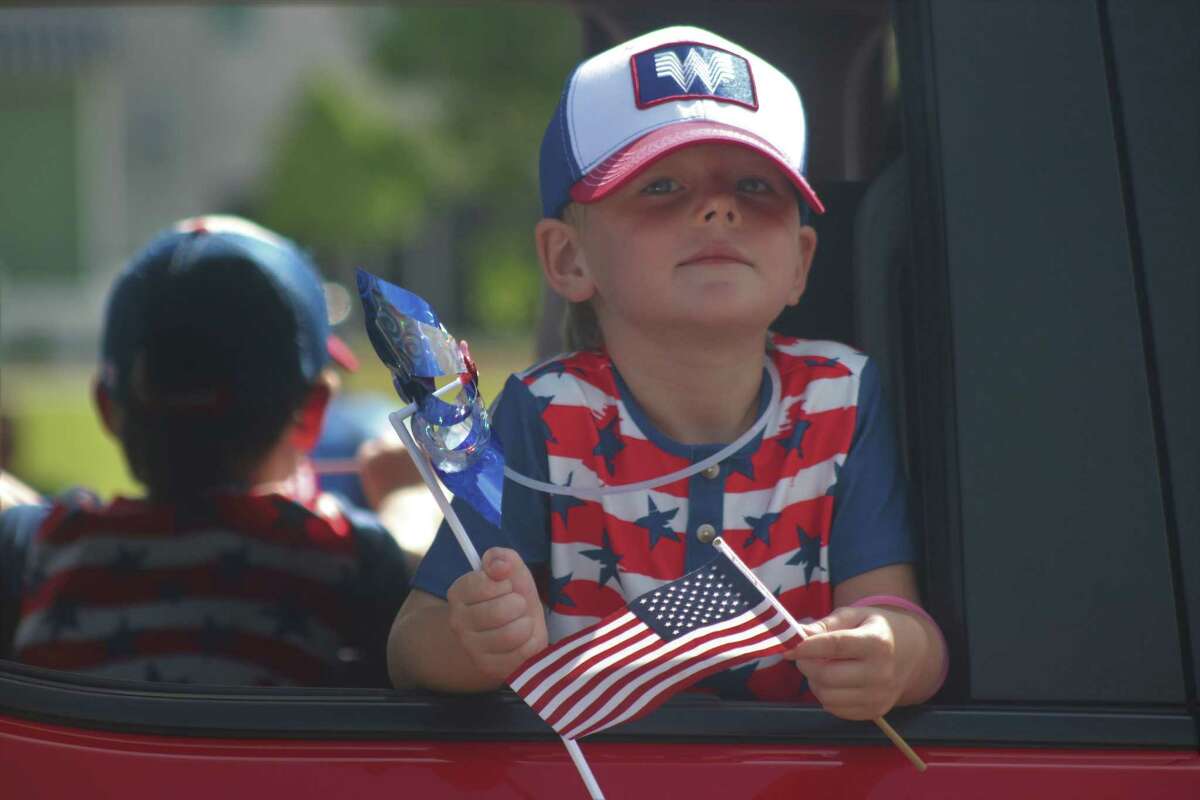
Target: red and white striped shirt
column 230, row 589
column 817, row 497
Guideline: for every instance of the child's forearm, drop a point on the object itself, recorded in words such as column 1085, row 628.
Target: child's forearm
column 423, row 651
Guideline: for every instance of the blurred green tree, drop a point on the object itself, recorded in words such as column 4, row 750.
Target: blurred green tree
column 345, row 177
column 474, row 87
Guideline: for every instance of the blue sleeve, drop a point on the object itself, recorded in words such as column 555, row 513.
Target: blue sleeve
column 17, row 528
column 871, row 523
column 524, row 521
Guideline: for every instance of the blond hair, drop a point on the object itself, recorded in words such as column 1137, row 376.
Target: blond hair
column 581, row 329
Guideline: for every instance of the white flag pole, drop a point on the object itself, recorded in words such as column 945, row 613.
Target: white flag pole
column 581, row 765
column 882, row 724
column 397, row 418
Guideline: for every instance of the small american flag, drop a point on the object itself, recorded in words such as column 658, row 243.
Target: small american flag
column 632, row 661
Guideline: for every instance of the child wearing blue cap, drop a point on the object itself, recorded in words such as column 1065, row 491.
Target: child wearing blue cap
column 214, row 378
column 674, row 197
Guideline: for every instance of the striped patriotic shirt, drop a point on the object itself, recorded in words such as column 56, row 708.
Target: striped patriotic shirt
column 231, row 589
column 817, row 498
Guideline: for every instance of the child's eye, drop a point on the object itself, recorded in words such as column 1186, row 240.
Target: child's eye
column 661, row 186
column 754, row 186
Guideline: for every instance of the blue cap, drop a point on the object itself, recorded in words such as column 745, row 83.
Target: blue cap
column 213, row 282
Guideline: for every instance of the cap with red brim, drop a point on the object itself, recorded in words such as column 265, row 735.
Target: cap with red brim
column 615, row 171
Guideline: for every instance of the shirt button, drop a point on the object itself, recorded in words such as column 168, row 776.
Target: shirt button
column 706, row 533
column 711, row 472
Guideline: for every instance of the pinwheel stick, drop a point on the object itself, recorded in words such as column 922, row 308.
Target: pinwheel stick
column 397, row 418
column 423, row 466
column 882, row 724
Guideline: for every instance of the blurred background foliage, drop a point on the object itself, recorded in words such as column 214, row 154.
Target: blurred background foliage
column 345, row 178
column 473, row 88
column 407, row 143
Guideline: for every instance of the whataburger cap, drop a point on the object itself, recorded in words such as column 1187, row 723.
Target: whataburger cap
column 187, row 255
column 627, row 107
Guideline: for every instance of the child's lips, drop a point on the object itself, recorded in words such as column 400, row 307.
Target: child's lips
column 715, row 254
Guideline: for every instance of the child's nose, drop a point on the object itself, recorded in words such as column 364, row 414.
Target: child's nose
column 719, row 207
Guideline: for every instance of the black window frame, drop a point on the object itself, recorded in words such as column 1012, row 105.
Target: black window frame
column 58, row 698
column 936, row 424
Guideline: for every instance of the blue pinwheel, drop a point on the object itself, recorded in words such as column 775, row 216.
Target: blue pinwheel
column 455, row 435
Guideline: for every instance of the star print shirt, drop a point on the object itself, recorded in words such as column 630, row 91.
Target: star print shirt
column 231, row 589
column 817, row 497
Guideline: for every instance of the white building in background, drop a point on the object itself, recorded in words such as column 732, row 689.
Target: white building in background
column 115, row 122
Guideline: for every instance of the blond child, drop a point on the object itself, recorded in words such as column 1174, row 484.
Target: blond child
column 672, row 178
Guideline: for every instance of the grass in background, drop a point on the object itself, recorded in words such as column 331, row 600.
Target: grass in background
column 57, row 438
column 59, row 443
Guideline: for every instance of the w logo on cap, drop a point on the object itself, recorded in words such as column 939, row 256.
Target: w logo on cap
column 686, row 71
column 713, row 70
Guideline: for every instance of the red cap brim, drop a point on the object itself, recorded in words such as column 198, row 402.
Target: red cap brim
column 612, row 173
column 341, row 353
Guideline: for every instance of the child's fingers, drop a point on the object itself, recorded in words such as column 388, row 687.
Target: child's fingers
column 837, row 674
column 500, row 563
column 855, row 635
column 498, row 653
column 841, row 619
column 849, row 660
column 477, row 587
column 506, row 640
column 827, row 646
column 494, row 613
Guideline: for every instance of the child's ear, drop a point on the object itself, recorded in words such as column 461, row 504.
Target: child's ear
column 108, row 411
column 808, row 248
column 563, row 261
column 311, row 416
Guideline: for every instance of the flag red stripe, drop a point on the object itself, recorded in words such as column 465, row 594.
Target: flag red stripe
column 661, row 653
column 561, row 689
column 525, row 681
column 564, row 648
column 774, row 640
column 659, row 694
column 659, row 670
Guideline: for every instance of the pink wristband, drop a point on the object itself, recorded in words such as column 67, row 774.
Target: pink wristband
column 908, row 605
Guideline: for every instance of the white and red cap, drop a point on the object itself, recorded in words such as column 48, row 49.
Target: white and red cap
column 625, row 108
